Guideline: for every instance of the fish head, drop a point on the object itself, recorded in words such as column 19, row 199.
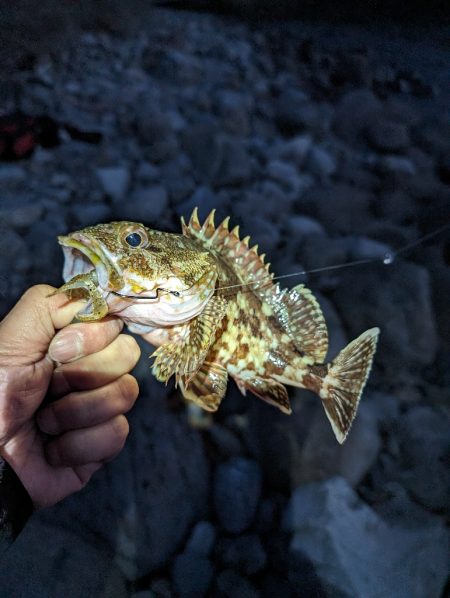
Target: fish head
column 150, row 277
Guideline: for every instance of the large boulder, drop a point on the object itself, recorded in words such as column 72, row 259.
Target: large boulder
column 355, row 553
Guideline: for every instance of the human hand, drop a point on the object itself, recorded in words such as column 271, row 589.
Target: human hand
column 55, row 448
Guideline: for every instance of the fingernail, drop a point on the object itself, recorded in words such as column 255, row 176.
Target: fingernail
column 66, row 347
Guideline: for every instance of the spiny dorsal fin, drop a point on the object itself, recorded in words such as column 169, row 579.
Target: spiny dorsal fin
column 244, row 261
column 299, row 313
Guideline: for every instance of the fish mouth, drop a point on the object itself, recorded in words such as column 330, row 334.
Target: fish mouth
column 82, row 255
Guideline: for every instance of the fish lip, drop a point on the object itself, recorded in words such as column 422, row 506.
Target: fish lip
column 90, row 251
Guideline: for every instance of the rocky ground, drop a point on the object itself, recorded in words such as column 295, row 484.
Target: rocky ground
column 327, row 144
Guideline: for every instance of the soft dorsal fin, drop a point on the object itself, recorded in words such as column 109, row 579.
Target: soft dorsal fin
column 298, row 311
column 245, row 261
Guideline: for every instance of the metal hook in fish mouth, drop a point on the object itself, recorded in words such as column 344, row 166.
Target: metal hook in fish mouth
column 158, row 291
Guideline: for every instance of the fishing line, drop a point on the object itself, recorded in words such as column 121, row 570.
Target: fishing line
column 387, row 259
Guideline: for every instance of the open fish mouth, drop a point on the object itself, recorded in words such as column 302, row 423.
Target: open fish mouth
column 82, row 255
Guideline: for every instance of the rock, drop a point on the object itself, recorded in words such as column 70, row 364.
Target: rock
column 397, row 165
column 237, row 488
column 397, row 294
column 363, row 248
column 147, row 172
column 11, row 174
column 302, row 226
column 155, row 133
column 147, row 204
column 320, row 458
column 233, row 108
column 92, row 213
column 114, row 180
column 230, row 584
column 14, row 250
column 244, row 553
column 206, row 200
column 224, row 441
column 47, row 560
column 387, row 136
column 321, row 162
column 149, row 496
column 20, row 213
column 191, row 575
column 424, row 452
column 217, row 159
column 354, row 111
column 332, row 525
column 296, row 113
column 339, row 208
column 295, row 149
column 202, row 538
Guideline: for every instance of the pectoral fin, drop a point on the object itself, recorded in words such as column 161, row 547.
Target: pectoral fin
column 268, row 390
column 300, row 315
column 207, row 387
column 184, row 358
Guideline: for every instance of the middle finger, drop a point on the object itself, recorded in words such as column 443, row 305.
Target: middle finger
column 97, row 369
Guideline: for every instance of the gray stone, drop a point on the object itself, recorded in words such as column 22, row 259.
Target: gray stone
column 424, row 452
column 397, row 165
column 47, row 560
column 91, row 213
column 202, row 538
column 155, row 133
column 230, row 584
column 20, row 214
column 355, row 553
column 354, row 111
column 114, row 180
column 191, row 575
column 321, row 162
column 206, row 200
column 296, row 113
column 237, row 488
column 264, row 232
column 149, row 496
column 147, row 172
column 362, row 248
column 11, row 174
column 224, row 441
column 147, row 204
column 303, row 226
column 244, row 553
column 387, row 136
column 295, row 150
column 398, row 294
column 233, row 108
column 14, row 250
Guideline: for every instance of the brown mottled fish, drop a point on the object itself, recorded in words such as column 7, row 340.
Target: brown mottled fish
column 208, row 302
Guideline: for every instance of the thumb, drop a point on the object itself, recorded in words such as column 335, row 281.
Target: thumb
column 27, row 330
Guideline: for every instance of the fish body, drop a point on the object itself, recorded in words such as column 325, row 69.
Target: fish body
column 207, row 301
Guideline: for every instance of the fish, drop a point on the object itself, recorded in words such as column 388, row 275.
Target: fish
column 209, row 303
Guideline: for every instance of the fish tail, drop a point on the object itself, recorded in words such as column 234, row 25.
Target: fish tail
column 342, row 386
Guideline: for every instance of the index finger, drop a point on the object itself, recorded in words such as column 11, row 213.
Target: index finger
column 84, row 338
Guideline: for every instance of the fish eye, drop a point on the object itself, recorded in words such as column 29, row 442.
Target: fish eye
column 133, row 239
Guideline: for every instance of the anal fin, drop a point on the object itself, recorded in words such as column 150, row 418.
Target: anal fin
column 207, row 387
column 268, row 390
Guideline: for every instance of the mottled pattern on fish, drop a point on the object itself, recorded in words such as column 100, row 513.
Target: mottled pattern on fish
column 208, row 302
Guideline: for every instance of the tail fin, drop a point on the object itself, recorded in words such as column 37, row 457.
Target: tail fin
column 343, row 385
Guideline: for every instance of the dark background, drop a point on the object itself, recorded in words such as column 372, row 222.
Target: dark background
column 324, row 133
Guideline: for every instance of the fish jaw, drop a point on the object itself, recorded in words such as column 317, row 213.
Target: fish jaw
column 82, row 254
